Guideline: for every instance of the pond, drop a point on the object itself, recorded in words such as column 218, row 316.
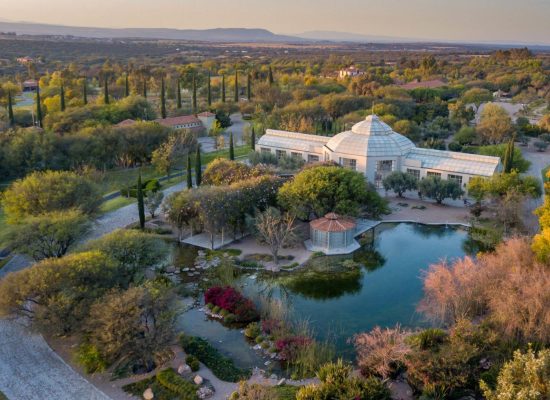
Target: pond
column 340, row 298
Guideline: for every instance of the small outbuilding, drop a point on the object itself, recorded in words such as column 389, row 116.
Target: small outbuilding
column 333, row 234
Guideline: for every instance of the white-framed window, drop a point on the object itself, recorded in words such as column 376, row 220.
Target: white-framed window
column 384, row 166
column 431, row 173
column 349, row 163
column 414, row 172
column 294, row 154
column 311, row 158
column 280, row 153
column 456, row 178
column 265, row 150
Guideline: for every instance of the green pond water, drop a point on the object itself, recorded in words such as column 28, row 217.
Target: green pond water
column 339, row 298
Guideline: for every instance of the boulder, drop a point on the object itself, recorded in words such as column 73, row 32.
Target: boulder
column 184, row 369
column 170, row 269
column 204, row 393
column 198, row 380
column 281, row 382
column 148, row 394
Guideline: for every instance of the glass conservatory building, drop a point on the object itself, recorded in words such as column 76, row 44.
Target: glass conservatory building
column 374, row 149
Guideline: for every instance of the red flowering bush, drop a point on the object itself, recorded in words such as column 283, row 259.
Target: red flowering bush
column 270, row 326
column 227, row 298
column 289, row 346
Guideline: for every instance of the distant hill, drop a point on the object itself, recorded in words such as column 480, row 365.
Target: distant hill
column 209, row 35
column 335, row 36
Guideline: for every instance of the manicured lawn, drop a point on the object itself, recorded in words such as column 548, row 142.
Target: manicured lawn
column 3, row 228
column 115, row 204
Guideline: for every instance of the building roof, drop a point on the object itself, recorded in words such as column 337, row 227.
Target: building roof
column 175, row 121
column 293, row 141
column 371, row 137
column 333, row 223
column 206, row 114
column 126, row 122
column 450, row 161
column 434, row 83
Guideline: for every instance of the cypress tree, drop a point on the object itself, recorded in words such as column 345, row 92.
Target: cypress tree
column 249, row 87
column 62, row 98
column 195, row 109
column 85, row 91
column 236, row 98
column 126, row 86
column 162, row 98
column 106, row 91
column 198, row 167
column 509, row 156
column 209, row 90
column 11, row 118
column 178, row 95
column 231, row 147
column 141, row 206
column 189, row 176
column 223, row 88
column 253, row 139
column 38, row 106
column 144, row 93
column 270, row 76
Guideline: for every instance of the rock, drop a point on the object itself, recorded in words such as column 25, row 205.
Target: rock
column 184, row 369
column 257, row 347
column 185, row 270
column 273, row 376
column 204, row 393
column 281, row 382
column 267, row 363
column 148, row 394
column 171, row 269
column 198, row 380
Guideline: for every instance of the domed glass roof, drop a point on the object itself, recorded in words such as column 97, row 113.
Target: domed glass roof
column 371, row 137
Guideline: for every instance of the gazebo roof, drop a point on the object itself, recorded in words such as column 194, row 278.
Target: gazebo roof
column 333, row 223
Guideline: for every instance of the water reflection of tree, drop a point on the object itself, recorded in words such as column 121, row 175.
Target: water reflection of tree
column 324, row 286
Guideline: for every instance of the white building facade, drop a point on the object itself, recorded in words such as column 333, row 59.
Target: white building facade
column 374, row 149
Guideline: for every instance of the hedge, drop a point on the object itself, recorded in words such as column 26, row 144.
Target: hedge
column 151, row 185
column 175, row 383
column 220, row 365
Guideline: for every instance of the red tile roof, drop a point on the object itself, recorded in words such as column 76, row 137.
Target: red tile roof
column 435, row 83
column 182, row 120
column 126, row 122
column 206, row 114
column 333, row 223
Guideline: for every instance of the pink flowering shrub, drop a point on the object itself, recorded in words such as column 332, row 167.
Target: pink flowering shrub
column 227, row 298
column 269, row 326
column 289, row 346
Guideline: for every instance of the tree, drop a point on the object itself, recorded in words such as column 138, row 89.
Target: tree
column 195, row 107
column 42, row 192
column 141, row 207
column 188, row 173
column 62, row 98
column 275, row 229
column 466, row 135
column 338, row 382
column 11, row 118
column 433, row 187
column 508, row 161
column 106, row 99
column 249, row 87
column 400, row 182
column 126, row 85
column 85, row 91
column 476, row 96
column 153, row 200
column 144, row 88
column 198, row 166
column 209, row 89
column 132, row 249
column 39, row 116
column 253, row 140
column 50, row 234
column 495, row 124
column 525, row 377
column 226, row 172
column 162, row 98
column 270, row 76
column 501, row 184
column 236, row 93
column 321, row 189
column 178, row 95
column 231, row 148
column 136, row 325
column 223, row 88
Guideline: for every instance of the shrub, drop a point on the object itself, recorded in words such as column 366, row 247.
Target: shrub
column 175, row 383
column 230, row 318
column 259, row 339
column 210, row 306
column 90, row 358
column 216, row 309
column 252, row 330
column 227, row 298
column 289, row 346
column 222, row 367
column 193, row 363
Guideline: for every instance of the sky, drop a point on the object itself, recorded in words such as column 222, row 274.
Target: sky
column 515, row 21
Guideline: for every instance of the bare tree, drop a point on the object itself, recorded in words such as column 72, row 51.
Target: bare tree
column 275, row 229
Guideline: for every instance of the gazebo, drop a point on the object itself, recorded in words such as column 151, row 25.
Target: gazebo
column 332, row 234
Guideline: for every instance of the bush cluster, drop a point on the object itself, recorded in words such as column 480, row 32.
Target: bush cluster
column 175, row 383
column 230, row 300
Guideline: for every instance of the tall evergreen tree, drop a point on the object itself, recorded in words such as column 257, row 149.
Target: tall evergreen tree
column 249, row 87
column 144, row 91
column 231, row 147
column 508, row 161
column 38, row 106
column 198, row 167
column 162, row 98
column 236, row 98
column 11, row 118
column 85, row 91
column 141, row 206
column 62, row 98
column 189, row 176
column 223, row 88
column 126, row 86
column 270, row 76
column 105, row 91
column 209, row 89
column 178, row 94
column 195, row 108
column 253, row 139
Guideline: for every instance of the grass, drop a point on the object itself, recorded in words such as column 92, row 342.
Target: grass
column 2, row 265
column 3, row 230
column 286, row 392
column 115, row 204
column 545, row 171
